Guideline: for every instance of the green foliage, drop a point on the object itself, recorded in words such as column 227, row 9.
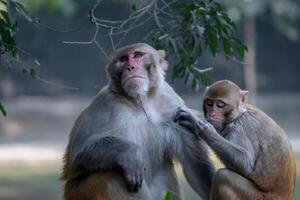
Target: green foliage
column 2, row 110
column 8, row 25
column 168, row 196
column 194, row 28
column 7, row 29
column 31, row 71
column 9, row 11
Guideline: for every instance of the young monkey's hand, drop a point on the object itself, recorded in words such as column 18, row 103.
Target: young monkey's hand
column 196, row 126
column 206, row 127
column 187, row 120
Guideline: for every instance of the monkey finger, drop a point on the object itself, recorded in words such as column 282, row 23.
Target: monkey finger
column 200, row 126
column 140, row 181
column 136, row 184
column 130, row 181
column 133, row 185
column 186, row 124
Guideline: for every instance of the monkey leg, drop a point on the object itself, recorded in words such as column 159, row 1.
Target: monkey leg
column 104, row 186
column 228, row 185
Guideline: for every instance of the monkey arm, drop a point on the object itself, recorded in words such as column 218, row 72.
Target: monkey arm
column 112, row 153
column 95, row 155
column 197, row 168
column 236, row 156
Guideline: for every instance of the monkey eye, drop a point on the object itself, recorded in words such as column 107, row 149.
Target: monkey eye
column 209, row 103
column 221, row 104
column 138, row 54
column 123, row 58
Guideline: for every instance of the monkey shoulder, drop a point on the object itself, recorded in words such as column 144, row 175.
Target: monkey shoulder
column 265, row 133
column 168, row 101
column 106, row 112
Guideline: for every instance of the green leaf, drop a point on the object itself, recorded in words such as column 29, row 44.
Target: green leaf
column 198, row 13
column 168, row 196
column 3, row 1
column 205, row 79
column 227, row 47
column 178, row 72
column 212, row 42
column 32, row 72
column 4, row 15
column 240, row 47
column 2, row 110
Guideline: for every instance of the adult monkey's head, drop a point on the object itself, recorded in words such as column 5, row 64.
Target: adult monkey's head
column 136, row 70
column 223, row 102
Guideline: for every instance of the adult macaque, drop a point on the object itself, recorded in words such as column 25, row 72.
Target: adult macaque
column 124, row 144
column 255, row 150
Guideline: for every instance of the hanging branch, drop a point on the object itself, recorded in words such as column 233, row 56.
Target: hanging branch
column 184, row 30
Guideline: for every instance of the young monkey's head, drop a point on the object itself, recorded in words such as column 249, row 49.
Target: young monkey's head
column 223, row 102
column 136, row 69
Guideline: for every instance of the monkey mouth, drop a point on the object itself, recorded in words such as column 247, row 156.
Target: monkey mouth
column 132, row 77
column 214, row 120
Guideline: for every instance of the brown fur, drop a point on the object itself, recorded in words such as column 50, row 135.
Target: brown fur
column 102, row 186
column 273, row 173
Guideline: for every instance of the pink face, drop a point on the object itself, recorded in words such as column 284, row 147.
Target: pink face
column 132, row 67
column 214, row 112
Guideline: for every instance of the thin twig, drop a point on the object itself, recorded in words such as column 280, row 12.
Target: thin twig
column 42, row 79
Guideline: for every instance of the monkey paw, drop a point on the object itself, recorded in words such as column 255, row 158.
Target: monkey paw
column 206, row 127
column 134, row 180
column 187, row 120
column 133, row 170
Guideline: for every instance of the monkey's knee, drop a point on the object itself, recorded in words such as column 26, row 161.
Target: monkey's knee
column 104, row 186
column 91, row 188
column 222, row 176
column 221, row 187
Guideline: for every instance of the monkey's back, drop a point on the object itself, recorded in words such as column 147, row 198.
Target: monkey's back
column 275, row 168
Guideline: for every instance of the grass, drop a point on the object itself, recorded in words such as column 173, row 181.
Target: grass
column 31, row 181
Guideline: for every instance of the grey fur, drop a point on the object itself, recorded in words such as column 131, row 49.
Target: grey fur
column 139, row 138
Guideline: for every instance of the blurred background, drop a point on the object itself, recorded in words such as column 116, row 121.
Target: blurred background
column 41, row 111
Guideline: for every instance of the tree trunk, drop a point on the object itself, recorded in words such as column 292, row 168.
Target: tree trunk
column 250, row 57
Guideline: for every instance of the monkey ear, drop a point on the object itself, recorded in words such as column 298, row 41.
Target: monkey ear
column 162, row 62
column 244, row 96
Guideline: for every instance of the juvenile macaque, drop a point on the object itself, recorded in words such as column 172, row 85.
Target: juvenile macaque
column 124, row 144
column 254, row 149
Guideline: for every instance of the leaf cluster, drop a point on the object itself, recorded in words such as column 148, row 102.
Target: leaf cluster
column 7, row 30
column 8, row 27
column 193, row 28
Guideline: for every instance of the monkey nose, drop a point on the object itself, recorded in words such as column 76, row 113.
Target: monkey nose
column 130, row 68
column 212, row 114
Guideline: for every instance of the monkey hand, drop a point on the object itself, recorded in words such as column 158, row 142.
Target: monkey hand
column 187, row 120
column 131, row 163
column 206, row 127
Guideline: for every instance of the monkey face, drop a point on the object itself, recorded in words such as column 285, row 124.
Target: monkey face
column 223, row 102
column 214, row 111
column 135, row 70
column 133, row 67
